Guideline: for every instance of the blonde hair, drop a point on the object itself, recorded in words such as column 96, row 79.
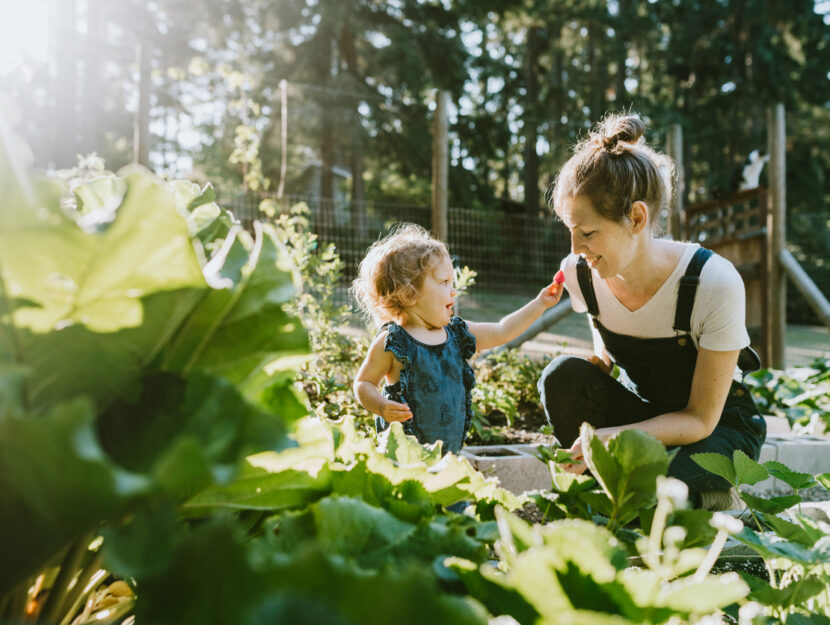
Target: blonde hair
column 614, row 168
column 391, row 275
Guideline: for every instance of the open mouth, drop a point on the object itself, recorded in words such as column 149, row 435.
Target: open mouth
column 593, row 262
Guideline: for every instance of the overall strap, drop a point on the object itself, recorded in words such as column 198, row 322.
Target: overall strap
column 586, row 285
column 687, row 290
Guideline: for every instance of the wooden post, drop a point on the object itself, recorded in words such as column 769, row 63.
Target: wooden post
column 777, row 233
column 141, row 127
column 440, row 165
column 674, row 148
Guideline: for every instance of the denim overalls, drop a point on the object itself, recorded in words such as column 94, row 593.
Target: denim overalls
column 436, row 382
column 655, row 378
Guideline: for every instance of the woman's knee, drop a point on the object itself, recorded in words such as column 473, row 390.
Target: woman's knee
column 565, row 374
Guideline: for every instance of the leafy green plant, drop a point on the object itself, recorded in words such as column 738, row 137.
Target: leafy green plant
column 326, row 378
column 621, row 484
column 572, row 571
column 506, row 393
column 133, row 367
column 801, row 394
column 796, row 552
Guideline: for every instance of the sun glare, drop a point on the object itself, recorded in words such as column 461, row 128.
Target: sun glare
column 24, row 32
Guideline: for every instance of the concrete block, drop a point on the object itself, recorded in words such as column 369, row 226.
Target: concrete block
column 516, row 466
column 777, row 425
column 807, row 454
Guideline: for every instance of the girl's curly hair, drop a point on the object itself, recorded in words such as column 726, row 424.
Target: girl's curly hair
column 391, row 274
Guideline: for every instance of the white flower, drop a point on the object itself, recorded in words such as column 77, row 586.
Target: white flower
column 672, row 489
column 726, row 523
column 749, row 611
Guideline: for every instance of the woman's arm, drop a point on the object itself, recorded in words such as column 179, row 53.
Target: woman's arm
column 377, row 364
column 492, row 334
column 710, row 386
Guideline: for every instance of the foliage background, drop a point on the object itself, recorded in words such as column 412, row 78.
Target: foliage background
column 526, row 79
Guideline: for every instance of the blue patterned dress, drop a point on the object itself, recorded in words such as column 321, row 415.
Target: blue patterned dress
column 435, row 381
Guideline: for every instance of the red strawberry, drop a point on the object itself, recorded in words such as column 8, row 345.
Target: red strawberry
column 559, row 278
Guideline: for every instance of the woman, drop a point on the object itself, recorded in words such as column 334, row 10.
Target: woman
column 669, row 314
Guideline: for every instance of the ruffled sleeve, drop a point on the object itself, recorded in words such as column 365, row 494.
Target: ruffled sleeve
column 396, row 342
column 465, row 339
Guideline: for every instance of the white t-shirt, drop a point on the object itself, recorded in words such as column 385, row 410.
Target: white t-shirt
column 718, row 316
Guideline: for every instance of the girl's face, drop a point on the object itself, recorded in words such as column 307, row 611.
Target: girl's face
column 435, row 302
column 607, row 245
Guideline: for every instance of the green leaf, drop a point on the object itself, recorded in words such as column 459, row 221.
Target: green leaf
column 498, row 596
column 207, row 411
column 773, row 505
column 712, row 593
column 790, row 531
column 699, row 531
column 239, row 328
column 93, row 308
column 569, row 483
column 796, row 480
column 772, row 546
column 259, row 490
column 56, row 484
column 824, row 480
column 747, row 471
column 794, row 594
column 406, row 450
column 717, row 464
column 602, row 465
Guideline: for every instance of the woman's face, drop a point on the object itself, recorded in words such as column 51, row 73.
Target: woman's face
column 607, row 245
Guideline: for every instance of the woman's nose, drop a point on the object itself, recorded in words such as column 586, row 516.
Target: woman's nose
column 576, row 243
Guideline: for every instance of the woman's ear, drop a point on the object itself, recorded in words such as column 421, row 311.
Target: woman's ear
column 638, row 216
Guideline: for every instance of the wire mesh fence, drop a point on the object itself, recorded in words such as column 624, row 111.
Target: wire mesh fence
column 513, row 254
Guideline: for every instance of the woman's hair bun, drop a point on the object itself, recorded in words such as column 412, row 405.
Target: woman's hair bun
column 616, row 129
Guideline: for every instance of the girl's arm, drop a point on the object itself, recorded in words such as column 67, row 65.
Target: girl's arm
column 377, row 364
column 710, row 387
column 492, row 334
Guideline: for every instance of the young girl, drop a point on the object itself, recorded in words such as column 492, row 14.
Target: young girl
column 669, row 314
column 405, row 283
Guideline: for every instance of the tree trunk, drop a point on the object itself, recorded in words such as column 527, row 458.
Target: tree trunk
column 621, row 30
column 66, row 85
column 92, row 88
column 141, row 129
column 358, row 203
column 327, row 141
column 597, row 76
column 531, row 128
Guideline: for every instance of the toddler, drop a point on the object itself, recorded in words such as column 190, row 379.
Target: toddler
column 405, row 284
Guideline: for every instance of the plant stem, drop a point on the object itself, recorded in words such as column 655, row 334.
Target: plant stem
column 79, row 590
column 711, row 556
column 69, row 567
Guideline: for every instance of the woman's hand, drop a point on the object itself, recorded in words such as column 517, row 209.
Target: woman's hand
column 603, row 363
column 393, row 411
column 578, row 466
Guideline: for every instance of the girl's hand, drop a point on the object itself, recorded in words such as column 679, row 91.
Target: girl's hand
column 550, row 295
column 393, row 411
